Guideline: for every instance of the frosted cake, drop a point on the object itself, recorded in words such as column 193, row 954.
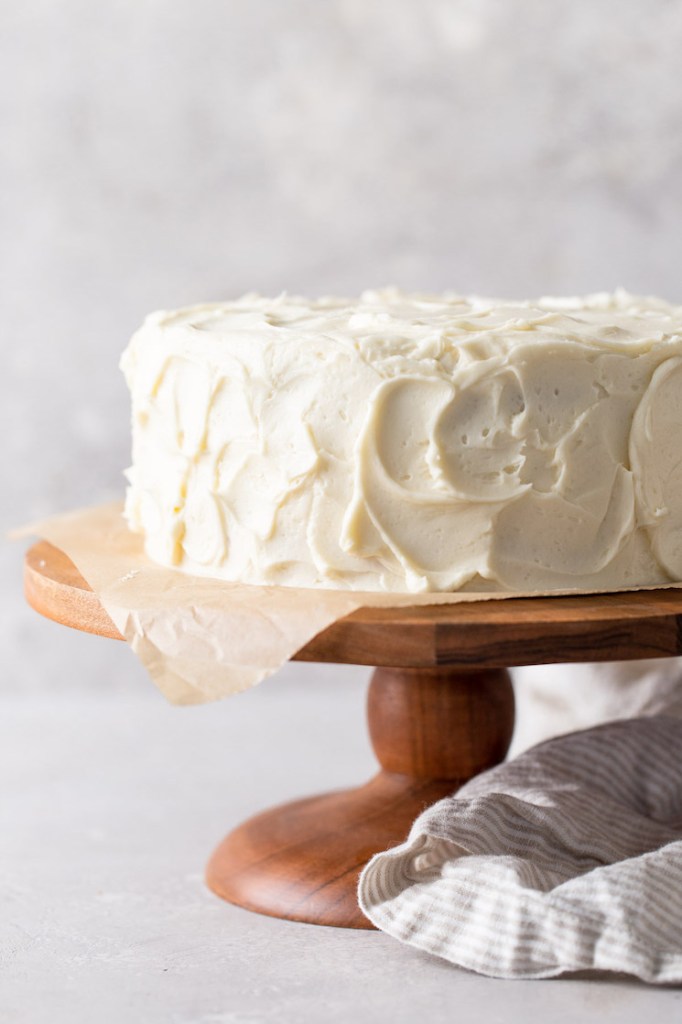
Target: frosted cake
column 412, row 443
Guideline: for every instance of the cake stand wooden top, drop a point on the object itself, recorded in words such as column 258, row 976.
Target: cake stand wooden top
column 516, row 631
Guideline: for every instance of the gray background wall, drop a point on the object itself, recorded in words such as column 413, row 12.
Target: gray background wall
column 159, row 153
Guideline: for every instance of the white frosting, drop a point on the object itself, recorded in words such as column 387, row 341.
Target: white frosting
column 411, row 443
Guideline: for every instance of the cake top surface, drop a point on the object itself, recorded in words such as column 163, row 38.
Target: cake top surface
column 447, row 320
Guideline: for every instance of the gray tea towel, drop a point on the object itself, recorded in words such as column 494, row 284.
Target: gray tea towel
column 567, row 858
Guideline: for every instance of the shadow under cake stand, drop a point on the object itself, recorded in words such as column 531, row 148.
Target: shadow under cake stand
column 440, row 710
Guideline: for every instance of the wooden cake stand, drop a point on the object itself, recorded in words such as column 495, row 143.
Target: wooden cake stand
column 440, row 710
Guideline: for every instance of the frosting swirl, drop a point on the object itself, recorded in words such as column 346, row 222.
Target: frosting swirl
column 411, row 442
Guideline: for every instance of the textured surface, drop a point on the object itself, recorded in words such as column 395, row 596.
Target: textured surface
column 103, row 903
column 409, row 442
column 567, row 858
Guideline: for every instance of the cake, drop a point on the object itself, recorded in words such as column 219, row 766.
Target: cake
column 411, row 443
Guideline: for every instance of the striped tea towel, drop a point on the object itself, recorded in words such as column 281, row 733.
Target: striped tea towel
column 567, row 858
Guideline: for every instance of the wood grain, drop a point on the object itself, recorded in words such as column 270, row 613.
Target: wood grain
column 518, row 631
column 432, row 729
column 54, row 587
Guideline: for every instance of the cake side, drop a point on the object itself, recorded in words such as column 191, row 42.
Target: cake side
column 411, row 443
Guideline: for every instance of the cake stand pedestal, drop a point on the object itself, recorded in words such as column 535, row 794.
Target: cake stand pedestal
column 440, row 710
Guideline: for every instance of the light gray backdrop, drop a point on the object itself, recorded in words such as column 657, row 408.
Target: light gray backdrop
column 159, row 153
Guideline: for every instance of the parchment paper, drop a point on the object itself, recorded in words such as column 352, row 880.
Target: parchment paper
column 201, row 639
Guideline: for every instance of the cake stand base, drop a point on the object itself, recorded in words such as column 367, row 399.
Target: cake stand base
column 432, row 729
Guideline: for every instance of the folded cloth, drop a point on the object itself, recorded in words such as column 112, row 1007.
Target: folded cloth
column 567, row 858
